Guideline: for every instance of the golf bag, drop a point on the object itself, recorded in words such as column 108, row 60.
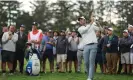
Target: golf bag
column 33, row 65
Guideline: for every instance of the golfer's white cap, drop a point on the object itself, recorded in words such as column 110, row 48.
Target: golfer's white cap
column 82, row 17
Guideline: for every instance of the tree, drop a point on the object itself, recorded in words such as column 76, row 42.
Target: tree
column 85, row 9
column 25, row 19
column 125, row 11
column 63, row 14
column 9, row 10
column 42, row 14
column 102, row 7
column 3, row 14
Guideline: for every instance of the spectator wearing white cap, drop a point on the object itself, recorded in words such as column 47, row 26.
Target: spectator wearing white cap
column 124, row 46
column 130, row 30
column 111, row 46
column 61, row 49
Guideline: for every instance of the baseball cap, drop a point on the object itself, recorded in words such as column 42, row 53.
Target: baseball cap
column 35, row 23
column 82, row 17
column 111, row 29
column 49, row 30
column 125, row 31
column 130, row 25
column 22, row 25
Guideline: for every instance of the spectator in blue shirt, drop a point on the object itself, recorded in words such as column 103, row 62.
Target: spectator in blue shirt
column 48, row 51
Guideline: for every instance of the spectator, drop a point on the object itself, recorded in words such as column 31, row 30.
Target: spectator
column 119, row 59
column 72, row 54
column 124, row 47
column 9, row 40
column 55, row 37
column 42, row 49
column 20, row 49
column 68, row 34
column 103, row 49
column 5, row 29
column 61, row 49
column 111, row 42
column 56, row 34
column 80, row 56
column 130, row 30
column 80, row 53
column 48, row 52
column 99, row 52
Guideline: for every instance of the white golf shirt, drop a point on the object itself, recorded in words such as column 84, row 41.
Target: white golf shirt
column 88, row 34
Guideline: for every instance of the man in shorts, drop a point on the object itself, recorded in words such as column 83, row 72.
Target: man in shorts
column 61, row 48
column 4, row 29
column 48, row 52
column 9, row 40
column 73, row 42
column 124, row 46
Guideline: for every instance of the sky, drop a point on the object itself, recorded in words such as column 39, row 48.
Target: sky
column 26, row 4
column 26, row 7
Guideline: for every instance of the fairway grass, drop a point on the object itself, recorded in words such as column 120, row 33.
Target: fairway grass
column 66, row 76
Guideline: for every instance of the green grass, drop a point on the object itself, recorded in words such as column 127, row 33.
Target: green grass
column 65, row 76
